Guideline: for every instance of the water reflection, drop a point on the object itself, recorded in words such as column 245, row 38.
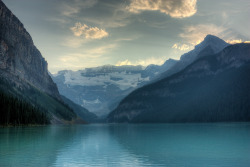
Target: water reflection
column 187, row 144
column 32, row 146
column 99, row 148
column 127, row 145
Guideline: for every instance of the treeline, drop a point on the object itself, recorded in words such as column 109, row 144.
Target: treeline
column 14, row 111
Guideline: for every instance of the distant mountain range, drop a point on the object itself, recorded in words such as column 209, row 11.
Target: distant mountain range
column 215, row 87
column 26, row 88
column 100, row 89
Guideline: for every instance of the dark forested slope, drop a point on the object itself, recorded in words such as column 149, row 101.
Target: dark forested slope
column 213, row 88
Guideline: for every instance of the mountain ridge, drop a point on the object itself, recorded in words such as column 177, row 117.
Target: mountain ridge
column 216, row 45
column 178, row 98
column 100, row 89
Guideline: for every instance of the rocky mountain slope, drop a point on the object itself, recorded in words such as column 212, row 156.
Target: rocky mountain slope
column 213, row 88
column 100, row 89
column 19, row 57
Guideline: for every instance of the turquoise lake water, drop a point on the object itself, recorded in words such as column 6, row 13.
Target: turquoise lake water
column 189, row 145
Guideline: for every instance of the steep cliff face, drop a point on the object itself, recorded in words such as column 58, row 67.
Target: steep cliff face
column 20, row 60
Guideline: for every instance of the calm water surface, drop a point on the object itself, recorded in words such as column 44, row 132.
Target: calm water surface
column 190, row 145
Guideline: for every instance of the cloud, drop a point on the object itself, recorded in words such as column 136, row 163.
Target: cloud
column 73, row 42
column 174, row 8
column 88, row 32
column 69, row 8
column 196, row 33
column 181, row 47
column 234, row 41
column 145, row 62
column 93, row 53
column 113, row 15
column 89, row 58
column 123, row 63
column 100, row 50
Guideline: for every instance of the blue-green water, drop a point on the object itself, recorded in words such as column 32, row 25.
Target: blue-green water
column 189, row 145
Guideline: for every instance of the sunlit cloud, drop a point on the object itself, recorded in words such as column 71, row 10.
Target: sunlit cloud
column 181, row 47
column 122, row 63
column 88, row 32
column 152, row 60
column 174, row 8
column 89, row 58
column 145, row 62
column 196, row 33
column 234, row 41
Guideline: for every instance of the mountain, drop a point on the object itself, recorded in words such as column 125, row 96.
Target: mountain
column 155, row 70
column 80, row 111
column 211, row 89
column 24, row 77
column 19, row 56
column 210, row 45
column 100, row 89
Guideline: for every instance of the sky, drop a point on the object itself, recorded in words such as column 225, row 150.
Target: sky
column 76, row 34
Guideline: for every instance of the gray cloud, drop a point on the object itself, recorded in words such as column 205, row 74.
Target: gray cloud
column 69, row 8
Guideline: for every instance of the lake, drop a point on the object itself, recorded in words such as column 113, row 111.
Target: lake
column 190, row 145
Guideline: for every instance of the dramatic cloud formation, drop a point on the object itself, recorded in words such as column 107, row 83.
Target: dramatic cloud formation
column 88, row 32
column 174, row 8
